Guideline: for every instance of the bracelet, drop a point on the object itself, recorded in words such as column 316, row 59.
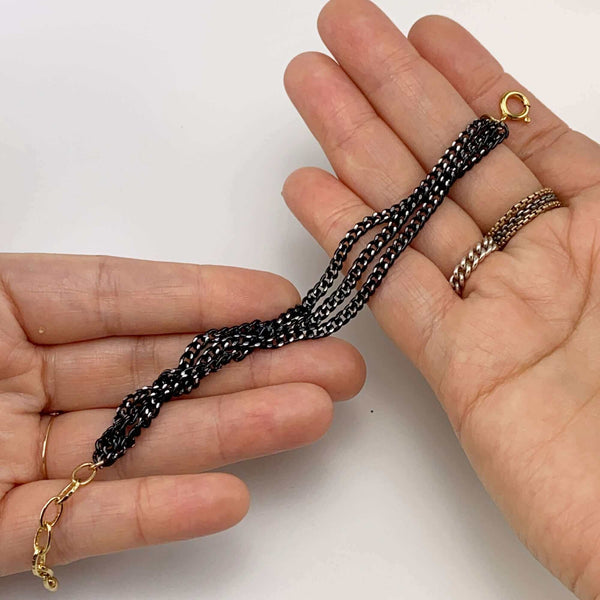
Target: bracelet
column 322, row 312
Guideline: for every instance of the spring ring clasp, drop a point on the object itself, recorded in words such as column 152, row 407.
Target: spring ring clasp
column 508, row 114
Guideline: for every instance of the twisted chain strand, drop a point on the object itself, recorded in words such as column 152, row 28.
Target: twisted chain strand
column 210, row 351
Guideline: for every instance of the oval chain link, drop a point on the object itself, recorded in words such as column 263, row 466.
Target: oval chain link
column 41, row 545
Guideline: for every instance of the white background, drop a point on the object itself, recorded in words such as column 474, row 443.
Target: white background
column 161, row 130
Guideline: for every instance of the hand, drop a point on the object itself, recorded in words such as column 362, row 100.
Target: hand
column 79, row 333
column 514, row 363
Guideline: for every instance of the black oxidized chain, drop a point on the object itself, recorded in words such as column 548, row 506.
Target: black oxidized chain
column 210, row 351
column 318, row 315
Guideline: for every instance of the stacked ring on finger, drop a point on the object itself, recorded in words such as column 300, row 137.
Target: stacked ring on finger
column 499, row 235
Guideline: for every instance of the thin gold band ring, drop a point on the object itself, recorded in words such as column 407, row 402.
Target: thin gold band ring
column 45, row 443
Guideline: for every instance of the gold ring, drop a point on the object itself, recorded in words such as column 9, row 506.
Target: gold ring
column 45, row 443
column 501, row 233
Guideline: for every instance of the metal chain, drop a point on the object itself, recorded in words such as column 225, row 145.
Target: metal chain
column 210, row 351
column 43, row 536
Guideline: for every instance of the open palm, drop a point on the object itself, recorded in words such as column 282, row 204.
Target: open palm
column 514, row 362
column 78, row 333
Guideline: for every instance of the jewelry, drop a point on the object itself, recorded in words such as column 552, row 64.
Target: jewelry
column 522, row 213
column 499, row 235
column 315, row 317
column 470, row 262
column 45, row 443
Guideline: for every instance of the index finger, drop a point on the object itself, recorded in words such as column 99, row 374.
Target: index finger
column 67, row 298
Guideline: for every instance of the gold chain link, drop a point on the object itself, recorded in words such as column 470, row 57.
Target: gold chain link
column 43, row 536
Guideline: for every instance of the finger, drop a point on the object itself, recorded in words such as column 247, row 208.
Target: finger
column 368, row 156
column 419, row 104
column 561, row 158
column 413, row 299
column 196, row 435
column 63, row 298
column 99, row 373
column 113, row 516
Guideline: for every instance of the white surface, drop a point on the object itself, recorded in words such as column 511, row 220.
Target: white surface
column 161, row 130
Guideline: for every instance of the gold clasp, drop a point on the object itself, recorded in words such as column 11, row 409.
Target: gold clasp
column 43, row 536
column 508, row 114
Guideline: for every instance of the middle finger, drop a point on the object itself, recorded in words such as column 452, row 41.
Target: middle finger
column 419, row 104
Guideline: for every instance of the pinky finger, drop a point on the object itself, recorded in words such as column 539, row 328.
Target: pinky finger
column 110, row 516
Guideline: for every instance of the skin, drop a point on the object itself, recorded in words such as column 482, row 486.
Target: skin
column 514, row 362
column 77, row 333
